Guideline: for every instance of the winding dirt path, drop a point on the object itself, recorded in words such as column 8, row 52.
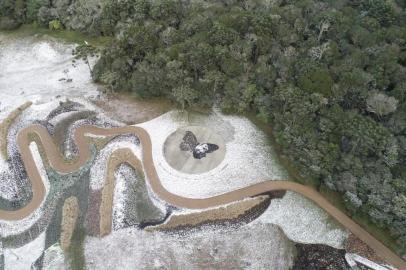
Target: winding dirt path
column 56, row 160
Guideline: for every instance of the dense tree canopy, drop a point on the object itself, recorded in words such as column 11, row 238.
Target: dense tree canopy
column 328, row 75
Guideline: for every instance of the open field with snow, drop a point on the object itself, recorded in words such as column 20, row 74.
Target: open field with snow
column 33, row 69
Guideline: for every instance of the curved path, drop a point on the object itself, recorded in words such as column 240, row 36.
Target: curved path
column 57, row 161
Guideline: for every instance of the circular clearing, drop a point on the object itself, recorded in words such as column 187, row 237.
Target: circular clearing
column 194, row 149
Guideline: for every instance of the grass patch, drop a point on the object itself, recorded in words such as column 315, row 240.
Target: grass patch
column 65, row 35
column 76, row 249
column 5, row 126
column 334, row 197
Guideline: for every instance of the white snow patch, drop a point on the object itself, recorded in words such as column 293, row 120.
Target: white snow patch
column 21, row 258
column 119, row 202
column 249, row 159
column 54, row 258
column 31, row 69
column 303, row 221
column 262, row 247
column 8, row 186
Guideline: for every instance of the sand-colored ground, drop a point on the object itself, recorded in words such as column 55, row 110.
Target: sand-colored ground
column 70, row 212
column 121, row 107
column 5, row 125
column 82, row 143
column 224, row 213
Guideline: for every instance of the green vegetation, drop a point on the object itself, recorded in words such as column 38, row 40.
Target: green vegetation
column 84, row 51
column 329, row 76
column 333, row 196
column 76, row 249
column 55, row 25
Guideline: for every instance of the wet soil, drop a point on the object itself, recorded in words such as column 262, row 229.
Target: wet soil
column 319, row 257
column 131, row 110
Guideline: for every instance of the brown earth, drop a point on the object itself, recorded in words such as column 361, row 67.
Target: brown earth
column 93, row 213
column 227, row 212
column 57, row 162
column 70, row 212
column 5, row 125
column 354, row 245
column 131, row 110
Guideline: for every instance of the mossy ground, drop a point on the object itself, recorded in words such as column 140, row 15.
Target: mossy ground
column 80, row 189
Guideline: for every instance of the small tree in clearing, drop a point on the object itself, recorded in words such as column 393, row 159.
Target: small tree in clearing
column 184, row 95
column 83, row 52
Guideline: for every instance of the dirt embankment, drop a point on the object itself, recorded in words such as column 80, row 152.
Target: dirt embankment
column 121, row 106
column 5, row 125
column 70, row 213
column 228, row 212
column 355, row 245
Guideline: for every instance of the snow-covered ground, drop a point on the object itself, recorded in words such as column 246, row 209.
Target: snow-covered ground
column 22, row 258
column 303, row 221
column 8, row 188
column 262, row 246
column 31, row 69
column 54, row 258
column 249, row 158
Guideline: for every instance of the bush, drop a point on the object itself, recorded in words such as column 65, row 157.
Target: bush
column 380, row 9
column 32, row 9
column 381, row 104
column 55, row 25
column 45, row 15
column 7, row 23
column 318, row 81
column 256, row 59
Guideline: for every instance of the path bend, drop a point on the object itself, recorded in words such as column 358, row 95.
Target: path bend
column 56, row 160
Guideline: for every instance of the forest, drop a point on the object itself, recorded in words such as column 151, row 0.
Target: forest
column 328, row 76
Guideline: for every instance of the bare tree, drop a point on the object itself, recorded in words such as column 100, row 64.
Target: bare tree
column 318, row 52
column 381, row 104
column 324, row 27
